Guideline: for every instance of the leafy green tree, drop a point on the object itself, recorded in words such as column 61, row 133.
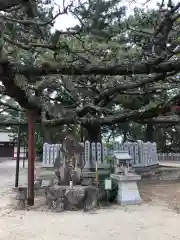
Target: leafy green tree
column 108, row 70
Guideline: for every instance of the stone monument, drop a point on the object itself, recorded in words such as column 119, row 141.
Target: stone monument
column 68, row 195
column 68, row 166
column 126, row 179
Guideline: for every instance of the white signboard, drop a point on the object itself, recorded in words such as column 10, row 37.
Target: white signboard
column 108, row 184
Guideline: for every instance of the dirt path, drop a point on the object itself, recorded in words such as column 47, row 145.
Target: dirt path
column 131, row 223
column 156, row 220
column 7, row 179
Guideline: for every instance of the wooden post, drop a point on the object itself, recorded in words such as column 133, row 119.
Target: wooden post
column 24, row 157
column 31, row 156
column 18, row 156
column 81, row 133
column 97, row 174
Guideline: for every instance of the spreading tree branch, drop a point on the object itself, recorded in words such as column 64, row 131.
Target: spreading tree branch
column 147, row 67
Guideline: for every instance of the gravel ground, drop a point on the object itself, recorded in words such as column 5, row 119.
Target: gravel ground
column 153, row 220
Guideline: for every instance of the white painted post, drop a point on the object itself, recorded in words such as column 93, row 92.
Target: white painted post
column 140, row 150
column 93, row 154
column 131, row 151
column 44, row 153
column 87, row 154
column 51, row 155
column 155, row 154
column 99, row 153
column 136, row 154
column 126, row 147
column 116, row 145
column 48, row 153
column 104, row 152
column 145, row 153
column 149, row 154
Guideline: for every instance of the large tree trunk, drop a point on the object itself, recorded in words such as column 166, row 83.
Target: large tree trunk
column 125, row 135
column 81, row 133
column 149, row 133
column 47, row 135
column 93, row 133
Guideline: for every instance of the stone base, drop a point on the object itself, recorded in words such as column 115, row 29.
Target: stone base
column 21, row 204
column 60, row 198
column 21, row 197
column 128, row 192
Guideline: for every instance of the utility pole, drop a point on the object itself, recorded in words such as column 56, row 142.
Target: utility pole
column 18, row 152
column 31, row 156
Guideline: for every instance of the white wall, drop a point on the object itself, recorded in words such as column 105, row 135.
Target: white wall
column 5, row 137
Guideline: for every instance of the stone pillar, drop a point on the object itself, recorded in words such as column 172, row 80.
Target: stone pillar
column 21, row 197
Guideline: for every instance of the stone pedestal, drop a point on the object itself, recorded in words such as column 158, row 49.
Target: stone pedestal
column 128, row 192
column 60, row 198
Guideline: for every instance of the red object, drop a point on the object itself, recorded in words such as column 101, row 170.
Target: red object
column 13, row 156
column 31, row 156
column 175, row 109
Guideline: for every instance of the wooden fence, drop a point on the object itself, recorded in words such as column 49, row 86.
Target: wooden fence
column 143, row 154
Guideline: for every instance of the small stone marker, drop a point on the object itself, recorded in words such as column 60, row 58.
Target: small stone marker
column 21, row 197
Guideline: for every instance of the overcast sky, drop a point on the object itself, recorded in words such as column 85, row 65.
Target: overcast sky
column 66, row 21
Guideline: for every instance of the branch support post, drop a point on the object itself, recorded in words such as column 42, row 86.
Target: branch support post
column 31, row 156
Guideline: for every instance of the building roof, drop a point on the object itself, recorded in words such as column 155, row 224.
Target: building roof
column 6, row 137
column 120, row 155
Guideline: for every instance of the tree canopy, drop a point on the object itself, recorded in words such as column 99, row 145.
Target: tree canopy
column 111, row 68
